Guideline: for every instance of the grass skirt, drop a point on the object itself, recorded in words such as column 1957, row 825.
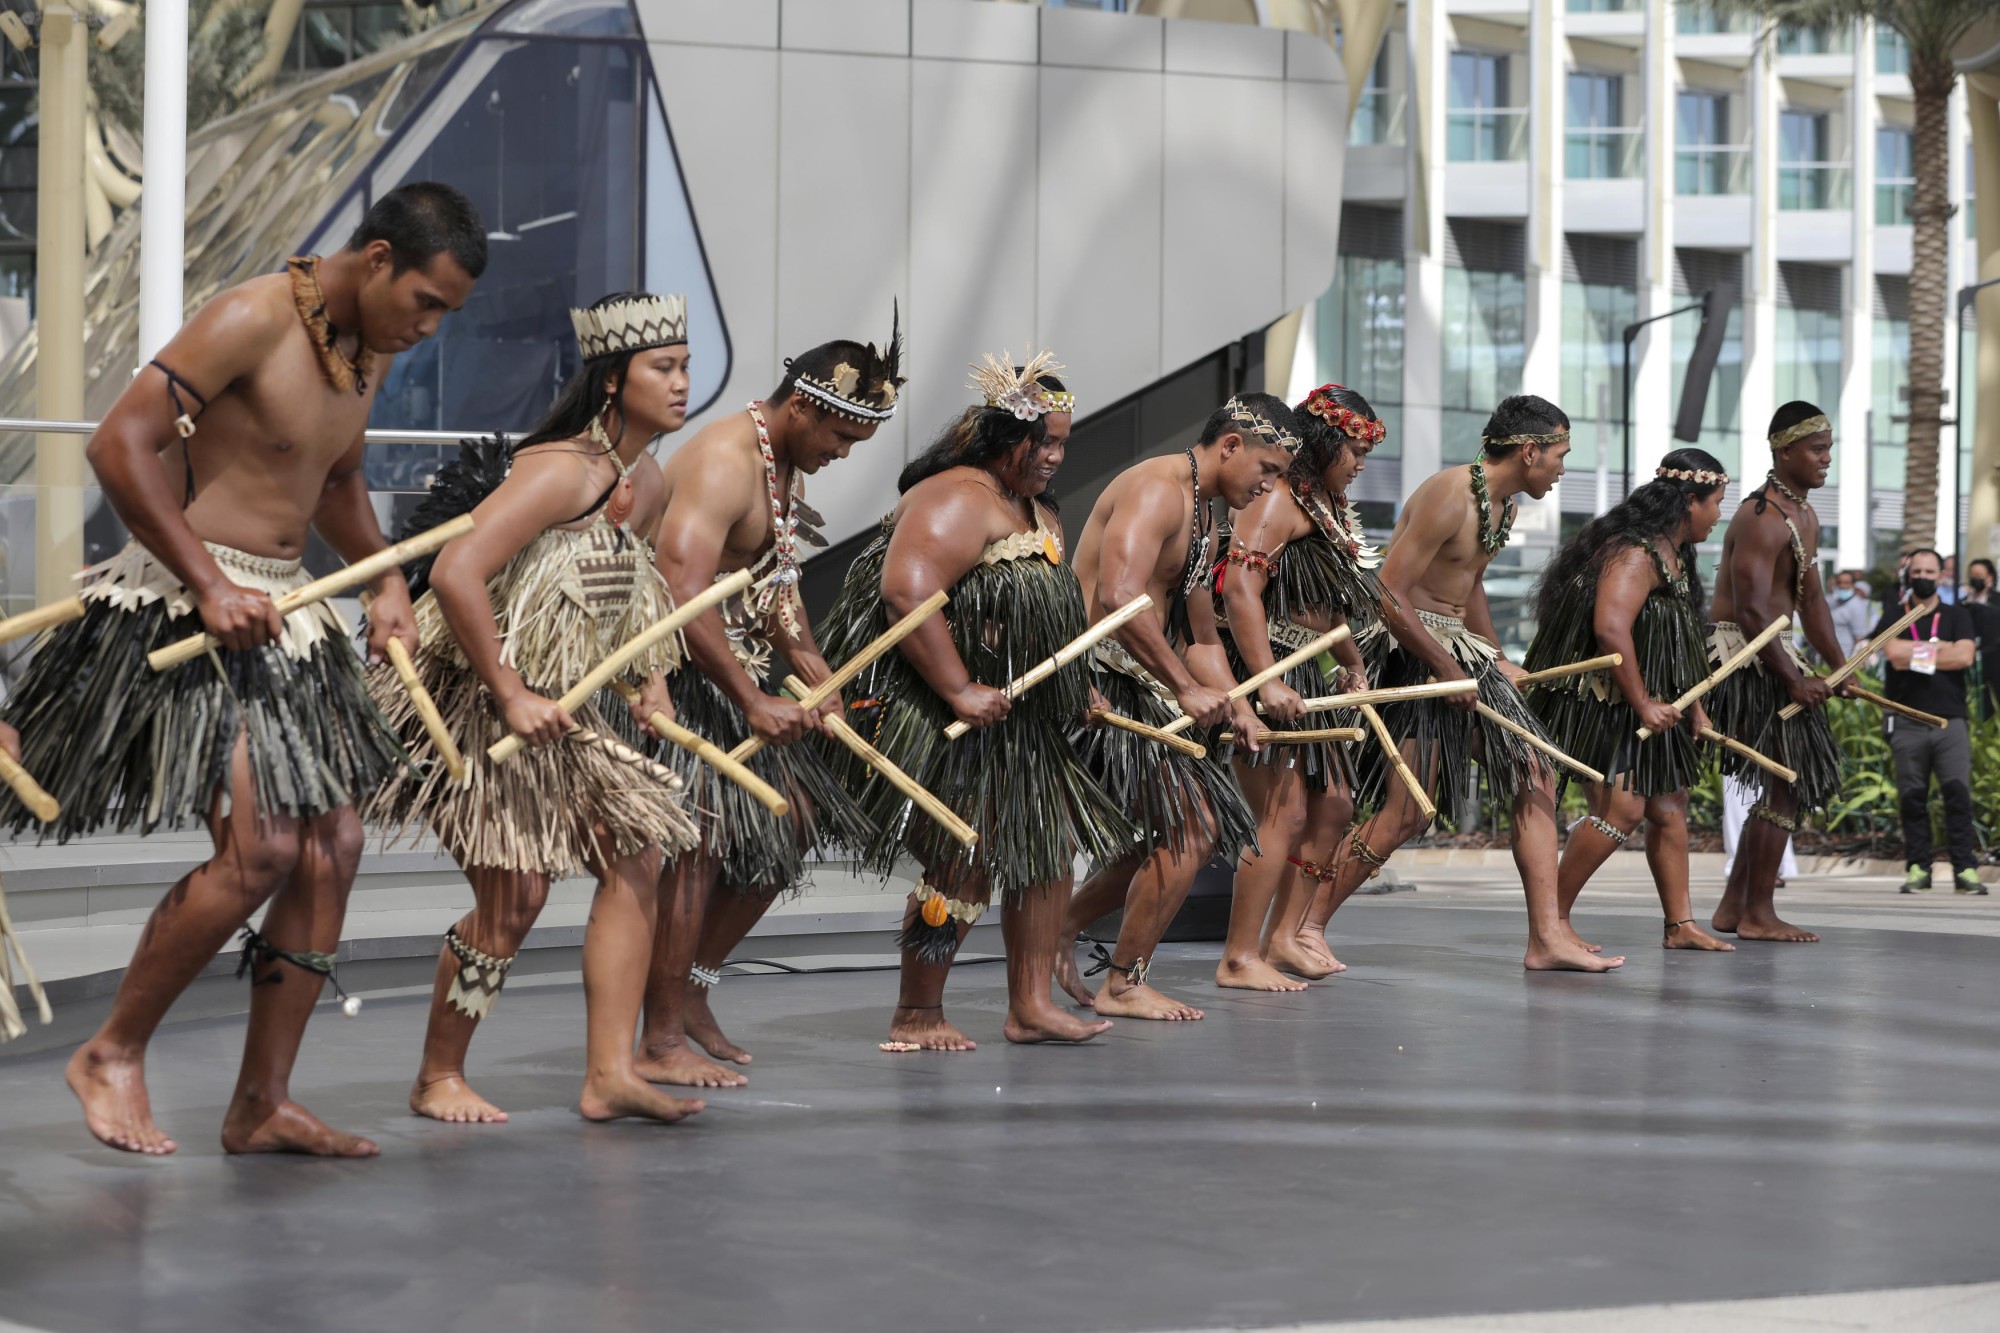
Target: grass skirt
column 1447, row 739
column 1169, row 795
column 1323, row 764
column 1745, row 707
column 126, row 748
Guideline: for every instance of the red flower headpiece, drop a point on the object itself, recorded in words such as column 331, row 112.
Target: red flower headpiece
column 1345, row 420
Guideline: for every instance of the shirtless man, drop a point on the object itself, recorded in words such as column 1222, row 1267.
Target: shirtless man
column 1770, row 567
column 1153, row 531
column 244, row 435
column 1436, row 610
column 735, row 500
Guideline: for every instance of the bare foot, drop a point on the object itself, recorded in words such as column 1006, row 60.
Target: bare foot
column 1035, row 1022
column 1580, row 941
column 1687, row 935
column 1253, row 974
column 702, row 1029
column 1724, row 922
column 1144, row 1002
column 675, row 1063
column 1772, row 929
column 112, row 1089
column 451, row 1099
column 1069, row 978
column 615, row 1097
column 1560, row 955
column 1314, row 943
column 926, row 1030
column 255, row 1125
column 1292, row 956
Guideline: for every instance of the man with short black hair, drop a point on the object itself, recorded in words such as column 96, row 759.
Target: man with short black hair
column 1926, row 670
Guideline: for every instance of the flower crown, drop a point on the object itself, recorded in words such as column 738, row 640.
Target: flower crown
column 1810, row 426
column 1257, row 425
column 866, row 393
column 1343, row 419
column 1699, row 476
column 636, row 325
column 1023, row 394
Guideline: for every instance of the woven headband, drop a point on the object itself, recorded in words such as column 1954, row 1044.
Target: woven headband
column 1256, row 425
column 1509, row 441
column 1699, row 476
column 1810, row 426
column 1344, row 419
column 636, row 325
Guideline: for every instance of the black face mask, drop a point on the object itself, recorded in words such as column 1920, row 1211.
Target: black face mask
column 1923, row 589
column 1978, row 584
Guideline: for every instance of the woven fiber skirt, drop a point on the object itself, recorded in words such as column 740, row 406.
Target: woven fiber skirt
column 1323, row 764
column 126, row 748
column 1746, row 704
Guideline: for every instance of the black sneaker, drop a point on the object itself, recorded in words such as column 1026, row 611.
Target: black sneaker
column 1917, row 879
column 1967, row 881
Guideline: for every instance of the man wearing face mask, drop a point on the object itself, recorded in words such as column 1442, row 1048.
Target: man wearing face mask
column 1852, row 612
column 1926, row 669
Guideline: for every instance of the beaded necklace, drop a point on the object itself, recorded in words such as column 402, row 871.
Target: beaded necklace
column 1201, row 536
column 777, row 589
column 1491, row 539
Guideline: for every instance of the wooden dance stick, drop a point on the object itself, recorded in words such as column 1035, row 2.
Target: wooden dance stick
column 1505, row 723
column 1430, row 689
column 1603, row 663
column 1066, row 654
column 40, row 804
column 41, row 618
column 709, row 753
column 1192, row 749
column 427, row 709
column 11, row 1022
column 1395, row 753
column 811, row 699
column 625, row 754
column 1900, row 710
column 1265, row 736
column 1763, row 761
column 602, row 674
column 1860, row 655
column 319, row 590
column 1272, row 672
column 1737, row 661
column 896, row 777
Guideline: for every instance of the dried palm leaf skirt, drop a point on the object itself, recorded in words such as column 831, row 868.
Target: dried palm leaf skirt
column 1745, row 706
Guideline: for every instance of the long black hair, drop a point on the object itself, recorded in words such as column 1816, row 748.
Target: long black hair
column 1649, row 513
column 1320, row 442
column 586, row 395
column 980, row 436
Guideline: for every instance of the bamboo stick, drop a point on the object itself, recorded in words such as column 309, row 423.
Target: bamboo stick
column 854, row 665
column 709, row 753
column 40, row 804
column 625, row 754
column 319, row 590
column 1244, row 689
column 1736, row 662
column 12, row 1023
column 427, row 709
column 601, row 675
column 1265, row 736
column 41, row 618
column 1395, row 753
column 1505, row 723
column 1430, row 689
column 1762, row 761
column 1860, row 655
column 902, row 782
column 1603, row 663
column 1192, row 749
column 1901, row 710
column 1066, row 654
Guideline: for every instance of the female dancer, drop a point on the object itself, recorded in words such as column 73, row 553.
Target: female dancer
column 1627, row 584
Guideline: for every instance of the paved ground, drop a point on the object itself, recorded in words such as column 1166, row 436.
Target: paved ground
column 1435, row 1134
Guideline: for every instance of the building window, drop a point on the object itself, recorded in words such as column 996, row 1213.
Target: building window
column 331, row 34
column 1831, row 40
column 1706, row 160
column 1696, row 19
column 1593, row 371
column 1378, row 113
column 1888, row 439
column 1808, row 178
column 1600, row 146
column 1360, row 318
column 1807, row 364
column 1892, row 53
column 1895, row 177
column 1603, row 6
column 1483, row 125
column 1483, row 331
column 1721, row 418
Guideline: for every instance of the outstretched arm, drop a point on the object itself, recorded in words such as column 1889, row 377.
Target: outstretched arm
column 937, row 541
column 225, row 341
column 347, row 521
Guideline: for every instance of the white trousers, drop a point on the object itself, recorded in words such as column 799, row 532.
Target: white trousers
column 1736, row 803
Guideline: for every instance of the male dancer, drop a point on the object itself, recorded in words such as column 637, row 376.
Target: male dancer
column 272, row 749
column 736, row 500
column 1153, row 531
column 1770, row 567
column 1437, row 613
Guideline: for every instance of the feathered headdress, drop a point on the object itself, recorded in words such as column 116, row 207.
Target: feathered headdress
column 1023, row 394
column 864, row 393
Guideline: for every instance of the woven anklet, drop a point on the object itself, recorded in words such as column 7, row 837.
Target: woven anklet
column 1770, row 816
column 1610, row 830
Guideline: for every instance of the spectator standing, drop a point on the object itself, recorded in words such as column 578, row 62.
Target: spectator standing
column 1926, row 669
column 1852, row 612
column 1982, row 601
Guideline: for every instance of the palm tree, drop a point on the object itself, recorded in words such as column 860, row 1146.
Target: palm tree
column 1932, row 31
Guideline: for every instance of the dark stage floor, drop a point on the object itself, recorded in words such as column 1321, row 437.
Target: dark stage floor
column 1434, row 1133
